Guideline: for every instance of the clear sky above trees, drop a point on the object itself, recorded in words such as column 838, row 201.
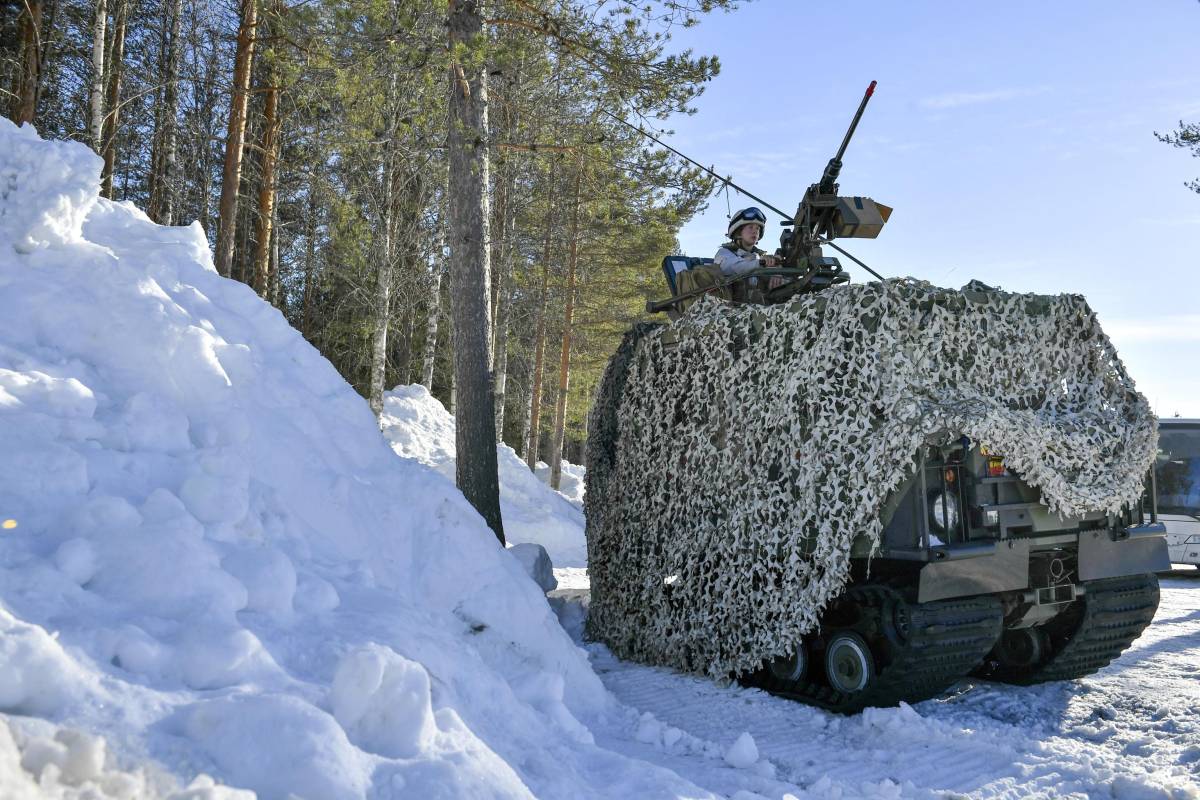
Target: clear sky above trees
column 1015, row 141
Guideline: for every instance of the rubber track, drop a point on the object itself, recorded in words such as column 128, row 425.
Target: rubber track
column 945, row 641
column 1115, row 612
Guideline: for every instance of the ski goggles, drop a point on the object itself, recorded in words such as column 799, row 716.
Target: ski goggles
column 752, row 214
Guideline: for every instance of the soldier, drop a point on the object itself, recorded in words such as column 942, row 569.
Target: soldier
column 739, row 255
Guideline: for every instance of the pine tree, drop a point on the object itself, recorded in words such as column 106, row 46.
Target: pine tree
column 1187, row 136
column 468, row 225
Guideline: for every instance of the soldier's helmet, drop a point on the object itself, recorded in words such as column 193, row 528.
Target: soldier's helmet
column 747, row 216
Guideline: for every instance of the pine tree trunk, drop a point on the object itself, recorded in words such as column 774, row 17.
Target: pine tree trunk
column 231, row 176
column 154, row 175
column 475, row 442
column 201, row 173
column 564, row 364
column 539, row 349
column 31, row 63
column 112, row 120
column 96, row 122
column 266, row 191
column 162, row 179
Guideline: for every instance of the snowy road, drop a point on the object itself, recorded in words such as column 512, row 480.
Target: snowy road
column 1129, row 731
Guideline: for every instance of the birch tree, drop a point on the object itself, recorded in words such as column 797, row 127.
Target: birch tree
column 435, row 306
column 97, row 95
column 387, row 255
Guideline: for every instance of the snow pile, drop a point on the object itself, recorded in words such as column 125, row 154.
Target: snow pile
column 211, row 556
column 419, row 427
column 570, row 484
column 67, row 763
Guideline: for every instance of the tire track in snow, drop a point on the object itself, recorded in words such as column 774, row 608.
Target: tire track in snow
column 1123, row 732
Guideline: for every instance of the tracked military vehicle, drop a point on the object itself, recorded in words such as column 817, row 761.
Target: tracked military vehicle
column 858, row 494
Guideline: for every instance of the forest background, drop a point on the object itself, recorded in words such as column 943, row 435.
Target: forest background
column 309, row 139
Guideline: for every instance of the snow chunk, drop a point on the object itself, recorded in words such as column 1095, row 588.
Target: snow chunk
column 279, row 744
column 76, row 558
column 269, row 577
column 60, row 397
column 212, row 657
column 78, row 756
column 382, row 701
column 219, row 491
column 149, row 422
column 315, row 594
column 743, row 753
column 537, row 564
column 135, row 650
column 898, row 720
column 46, row 189
column 39, row 678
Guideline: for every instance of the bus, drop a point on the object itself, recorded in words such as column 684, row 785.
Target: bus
column 1177, row 487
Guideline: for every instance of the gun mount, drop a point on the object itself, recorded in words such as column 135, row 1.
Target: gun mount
column 824, row 215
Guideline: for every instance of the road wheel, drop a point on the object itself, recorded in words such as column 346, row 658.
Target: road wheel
column 849, row 665
column 1022, row 648
column 791, row 668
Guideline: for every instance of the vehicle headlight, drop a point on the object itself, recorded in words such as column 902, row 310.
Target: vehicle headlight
column 944, row 511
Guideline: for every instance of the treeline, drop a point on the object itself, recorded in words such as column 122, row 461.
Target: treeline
column 309, row 139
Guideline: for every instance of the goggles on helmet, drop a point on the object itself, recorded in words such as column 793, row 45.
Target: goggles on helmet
column 747, row 216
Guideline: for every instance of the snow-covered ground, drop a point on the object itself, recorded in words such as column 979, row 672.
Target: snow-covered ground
column 219, row 581
column 1131, row 731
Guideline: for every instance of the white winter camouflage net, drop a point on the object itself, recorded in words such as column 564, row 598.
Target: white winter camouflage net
column 734, row 455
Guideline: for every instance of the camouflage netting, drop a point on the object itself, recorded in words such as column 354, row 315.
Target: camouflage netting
column 734, row 455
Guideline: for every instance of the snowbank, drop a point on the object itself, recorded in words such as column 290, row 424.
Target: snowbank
column 419, row 427
column 570, row 484
column 212, row 557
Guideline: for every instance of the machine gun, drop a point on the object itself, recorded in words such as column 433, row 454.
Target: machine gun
column 822, row 216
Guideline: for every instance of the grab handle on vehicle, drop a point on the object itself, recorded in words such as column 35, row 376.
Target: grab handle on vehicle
column 1138, row 531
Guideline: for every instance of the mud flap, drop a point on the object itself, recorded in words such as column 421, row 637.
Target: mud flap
column 1102, row 556
column 1002, row 570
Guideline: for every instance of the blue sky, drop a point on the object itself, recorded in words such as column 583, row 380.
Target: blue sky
column 1015, row 141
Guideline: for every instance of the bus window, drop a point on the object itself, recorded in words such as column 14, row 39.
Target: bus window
column 1177, row 469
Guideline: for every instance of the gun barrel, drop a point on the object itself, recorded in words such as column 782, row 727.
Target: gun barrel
column 834, row 167
column 854, row 122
